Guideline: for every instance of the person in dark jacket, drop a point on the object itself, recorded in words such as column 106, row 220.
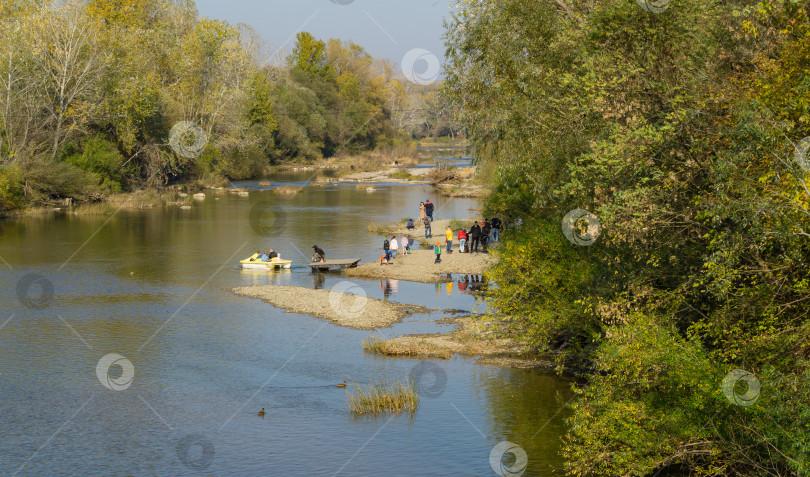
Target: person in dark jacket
column 485, row 231
column 319, row 256
column 496, row 228
column 475, row 237
column 429, row 209
column 387, row 249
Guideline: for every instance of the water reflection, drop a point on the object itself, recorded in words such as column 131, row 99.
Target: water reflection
column 317, row 279
column 469, row 284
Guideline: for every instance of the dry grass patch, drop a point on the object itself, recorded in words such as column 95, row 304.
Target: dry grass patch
column 383, row 397
column 423, row 347
column 471, row 339
column 288, row 190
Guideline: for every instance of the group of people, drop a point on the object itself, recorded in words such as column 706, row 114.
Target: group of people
column 481, row 234
column 268, row 256
column 468, row 241
column 391, row 248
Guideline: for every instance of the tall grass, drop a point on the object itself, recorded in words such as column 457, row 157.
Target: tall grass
column 383, row 397
column 456, row 224
column 374, row 345
column 403, row 175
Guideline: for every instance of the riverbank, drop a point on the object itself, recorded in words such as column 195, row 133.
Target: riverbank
column 377, row 168
column 344, row 309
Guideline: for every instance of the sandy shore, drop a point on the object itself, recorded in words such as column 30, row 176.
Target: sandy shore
column 467, row 340
column 419, row 266
column 418, row 176
column 344, row 309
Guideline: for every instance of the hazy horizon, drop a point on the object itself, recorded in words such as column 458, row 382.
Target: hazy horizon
column 385, row 28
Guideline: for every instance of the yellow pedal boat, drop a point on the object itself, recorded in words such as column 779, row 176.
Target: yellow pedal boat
column 254, row 262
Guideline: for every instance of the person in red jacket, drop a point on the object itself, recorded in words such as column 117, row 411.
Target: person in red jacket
column 462, row 240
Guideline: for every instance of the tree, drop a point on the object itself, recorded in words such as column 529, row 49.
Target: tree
column 71, row 63
column 678, row 130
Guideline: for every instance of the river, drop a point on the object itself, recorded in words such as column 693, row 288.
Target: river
column 191, row 363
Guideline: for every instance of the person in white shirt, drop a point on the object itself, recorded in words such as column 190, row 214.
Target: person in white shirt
column 394, row 246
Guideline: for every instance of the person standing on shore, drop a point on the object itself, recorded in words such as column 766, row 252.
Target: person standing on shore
column 475, row 236
column 438, row 251
column 485, row 231
column 386, row 249
column 496, row 228
column 429, row 209
column 448, row 234
column 422, row 214
column 406, row 245
column 462, row 240
column 394, row 246
column 428, row 229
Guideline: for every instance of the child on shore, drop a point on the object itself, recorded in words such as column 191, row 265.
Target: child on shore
column 438, row 251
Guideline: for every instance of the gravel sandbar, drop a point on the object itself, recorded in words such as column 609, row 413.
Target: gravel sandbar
column 419, row 266
column 345, row 309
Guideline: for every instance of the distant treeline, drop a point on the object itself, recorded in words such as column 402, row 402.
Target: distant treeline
column 683, row 129
column 102, row 96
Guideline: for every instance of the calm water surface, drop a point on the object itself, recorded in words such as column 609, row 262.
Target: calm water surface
column 152, row 286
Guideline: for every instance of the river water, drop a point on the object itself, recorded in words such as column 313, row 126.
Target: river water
column 192, row 363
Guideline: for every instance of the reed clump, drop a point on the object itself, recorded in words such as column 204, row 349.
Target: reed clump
column 375, row 345
column 384, row 397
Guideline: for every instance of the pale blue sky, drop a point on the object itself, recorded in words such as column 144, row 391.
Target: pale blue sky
column 385, row 28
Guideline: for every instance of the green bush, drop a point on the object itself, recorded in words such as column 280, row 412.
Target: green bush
column 545, row 288
column 12, row 195
column 100, row 157
column 47, row 180
column 650, row 396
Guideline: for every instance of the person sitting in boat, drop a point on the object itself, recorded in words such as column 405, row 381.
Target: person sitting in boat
column 265, row 257
column 319, row 255
column 272, row 255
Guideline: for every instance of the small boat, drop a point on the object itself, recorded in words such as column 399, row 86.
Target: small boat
column 255, row 262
